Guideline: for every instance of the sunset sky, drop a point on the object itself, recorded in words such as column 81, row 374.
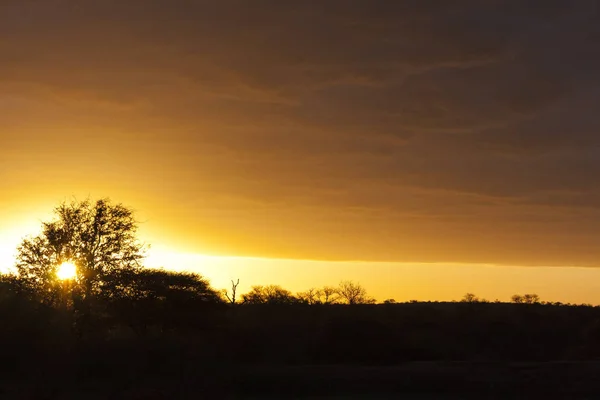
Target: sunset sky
column 424, row 148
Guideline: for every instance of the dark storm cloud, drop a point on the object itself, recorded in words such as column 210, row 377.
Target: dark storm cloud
column 443, row 110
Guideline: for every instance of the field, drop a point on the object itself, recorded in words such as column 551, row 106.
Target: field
column 420, row 351
column 414, row 380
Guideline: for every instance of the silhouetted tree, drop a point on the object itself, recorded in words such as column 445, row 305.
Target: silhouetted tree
column 158, row 284
column 353, row 293
column 389, row 301
column 232, row 298
column 470, row 298
column 531, row 298
column 329, row 295
column 271, row 294
column 517, row 299
column 11, row 284
column 156, row 297
column 525, row 299
column 325, row 295
column 8, row 286
column 99, row 238
column 311, row 297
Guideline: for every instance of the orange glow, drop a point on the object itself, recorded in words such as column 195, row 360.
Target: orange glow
column 66, row 271
column 422, row 159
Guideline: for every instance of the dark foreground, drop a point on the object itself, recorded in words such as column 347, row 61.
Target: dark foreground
column 413, row 380
column 186, row 350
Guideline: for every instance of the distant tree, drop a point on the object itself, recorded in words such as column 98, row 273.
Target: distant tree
column 311, row 297
column 325, row 295
column 531, row 298
column 329, row 295
column 99, row 238
column 232, row 299
column 353, row 293
column 517, row 299
column 271, row 294
column 389, row 301
column 470, row 298
column 526, row 299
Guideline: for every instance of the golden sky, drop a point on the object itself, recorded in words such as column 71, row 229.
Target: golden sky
column 404, row 132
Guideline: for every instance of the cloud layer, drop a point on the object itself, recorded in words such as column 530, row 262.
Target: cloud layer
column 409, row 131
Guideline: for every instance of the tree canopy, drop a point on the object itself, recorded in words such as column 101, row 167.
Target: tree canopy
column 353, row 293
column 98, row 237
column 270, row 294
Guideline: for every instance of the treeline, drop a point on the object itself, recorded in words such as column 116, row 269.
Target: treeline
column 157, row 328
column 116, row 317
column 171, row 286
column 164, row 285
column 347, row 292
column 269, row 324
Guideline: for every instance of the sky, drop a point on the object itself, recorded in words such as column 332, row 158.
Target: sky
column 406, row 143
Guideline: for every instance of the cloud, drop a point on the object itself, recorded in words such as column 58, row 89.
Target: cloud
column 445, row 117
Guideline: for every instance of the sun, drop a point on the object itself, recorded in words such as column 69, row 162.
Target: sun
column 66, row 270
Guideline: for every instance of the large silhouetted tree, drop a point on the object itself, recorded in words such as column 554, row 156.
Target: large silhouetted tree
column 98, row 237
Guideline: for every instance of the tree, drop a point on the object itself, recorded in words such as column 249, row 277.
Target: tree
column 157, row 297
column 531, row 298
column 9, row 286
column 329, row 295
column 311, row 297
column 271, row 294
column 159, row 284
column 525, row 299
column 231, row 299
column 353, row 293
column 470, row 298
column 99, row 238
column 389, row 301
column 517, row 299
column 325, row 295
